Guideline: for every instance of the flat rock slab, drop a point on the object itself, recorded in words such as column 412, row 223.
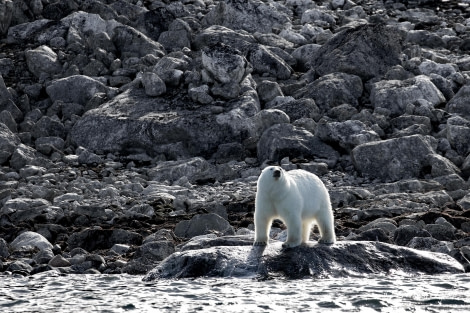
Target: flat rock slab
column 236, row 257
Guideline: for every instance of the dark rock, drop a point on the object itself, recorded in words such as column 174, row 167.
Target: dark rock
column 301, row 108
column 396, row 95
column 8, row 143
column 340, row 259
column 266, row 62
column 93, row 239
column 333, row 90
column 458, row 104
column 374, row 234
column 396, row 159
column 219, row 34
column 458, row 132
column 202, row 224
column 48, row 127
column 148, row 256
column 351, row 51
column 4, row 251
column 250, row 15
column 132, row 43
column 286, row 140
column 405, row 233
column 20, row 267
column 47, row 145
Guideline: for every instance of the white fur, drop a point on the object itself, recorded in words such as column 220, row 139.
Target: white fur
column 298, row 198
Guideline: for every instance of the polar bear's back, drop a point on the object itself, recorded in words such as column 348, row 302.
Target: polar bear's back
column 308, row 184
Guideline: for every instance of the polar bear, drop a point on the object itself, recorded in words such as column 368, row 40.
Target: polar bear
column 298, row 198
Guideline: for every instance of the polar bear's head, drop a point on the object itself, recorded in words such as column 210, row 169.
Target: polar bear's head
column 271, row 176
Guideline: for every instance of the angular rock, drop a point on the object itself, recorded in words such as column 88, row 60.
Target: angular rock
column 395, row 95
column 48, row 127
column 59, row 261
column 132, row 43
column 459, row 103
column 31, row 239
column 43, row 61
column 350, row 51
column 6, row 13
column 135, row 123
column 193, row 169
column 4, row 250
column 266, row 62
column 219, row 34
column 8, row 143
column 317, row 260
column 333, row 90
column 458, row 134
column 286, row 140
column 153, row 84
column 347, row 135
column 405, row 233
column 202, row 224
column 47, row 145
column 393, row 159
column 250, row 15
column 304, row 56
column 301, row 108
column 224, row 64
column 77, row 88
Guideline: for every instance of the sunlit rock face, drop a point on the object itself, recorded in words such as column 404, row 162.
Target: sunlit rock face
column 236, row 257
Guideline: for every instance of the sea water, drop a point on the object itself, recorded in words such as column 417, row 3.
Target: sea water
column 48, row 292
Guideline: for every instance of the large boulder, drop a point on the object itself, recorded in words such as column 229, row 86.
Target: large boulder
column 351, row 51
column 287, row 140
column 135, row 123
column 396, row 95
column 333, row 90
column 396, row 159
column 250, row 15
column 43, row 61
column 77, row 88
column 236, row 257
column 30, row 239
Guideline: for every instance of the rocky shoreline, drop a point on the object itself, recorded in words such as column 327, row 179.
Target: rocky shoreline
column 129, row 127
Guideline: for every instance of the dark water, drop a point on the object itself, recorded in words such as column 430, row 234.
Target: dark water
column 122, row 293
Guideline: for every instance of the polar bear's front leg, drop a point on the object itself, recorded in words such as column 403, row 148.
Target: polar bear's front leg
column 294, row 232
column 262, row 228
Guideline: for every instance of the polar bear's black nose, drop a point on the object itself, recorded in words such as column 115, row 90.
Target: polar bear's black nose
column 277, row 174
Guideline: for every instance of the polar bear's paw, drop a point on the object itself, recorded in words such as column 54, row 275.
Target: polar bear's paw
column 290, row 245
column 260, row 243
column 326, row 241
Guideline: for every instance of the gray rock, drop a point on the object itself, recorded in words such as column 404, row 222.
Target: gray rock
column 193, row 169
column 333, row 90
column 393, row 159
column 93, row 239
column 202, row 224
column 153, row 84
column 459, row 103
column 7, row 118
column 266, row 62
column 27, row 31
column 458, row 132
column 428, row 67
column 268, row 90
column 6, row 13
column 8, row 143
column 200, row 94
column 49, row 127
column 43, row 62
column 48, row 145
column 304, row 56
column 20, row 266
column 372, row 234
column 43, row 256
column 25, row 155
column 133, row 43
column 395, row 95
column 59, row 261
column 298, row 109
column 350, row 51
column 387, row 225
column 4, row 250
column 32, row 239
column 212, row 35
column 224, row 64
column 252, row 16
column 283, row 140
column 178, row 133
column 347, row 135
column 430, row 244
column 77, row 88
column 227, row 259
column 405, row 233
column 441, row 232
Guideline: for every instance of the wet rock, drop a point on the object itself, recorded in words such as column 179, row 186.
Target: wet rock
column 283, row 140
column 350, row 52
column 333, row 90
column 77, row 88
column 395, row 159
column 59, row 261
column 202, row 224
column 20, row 267
column 342, row 258
column 396, row 95
column 30, row 239
column 42, row 62
column 92, row 239
column 250, row 15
